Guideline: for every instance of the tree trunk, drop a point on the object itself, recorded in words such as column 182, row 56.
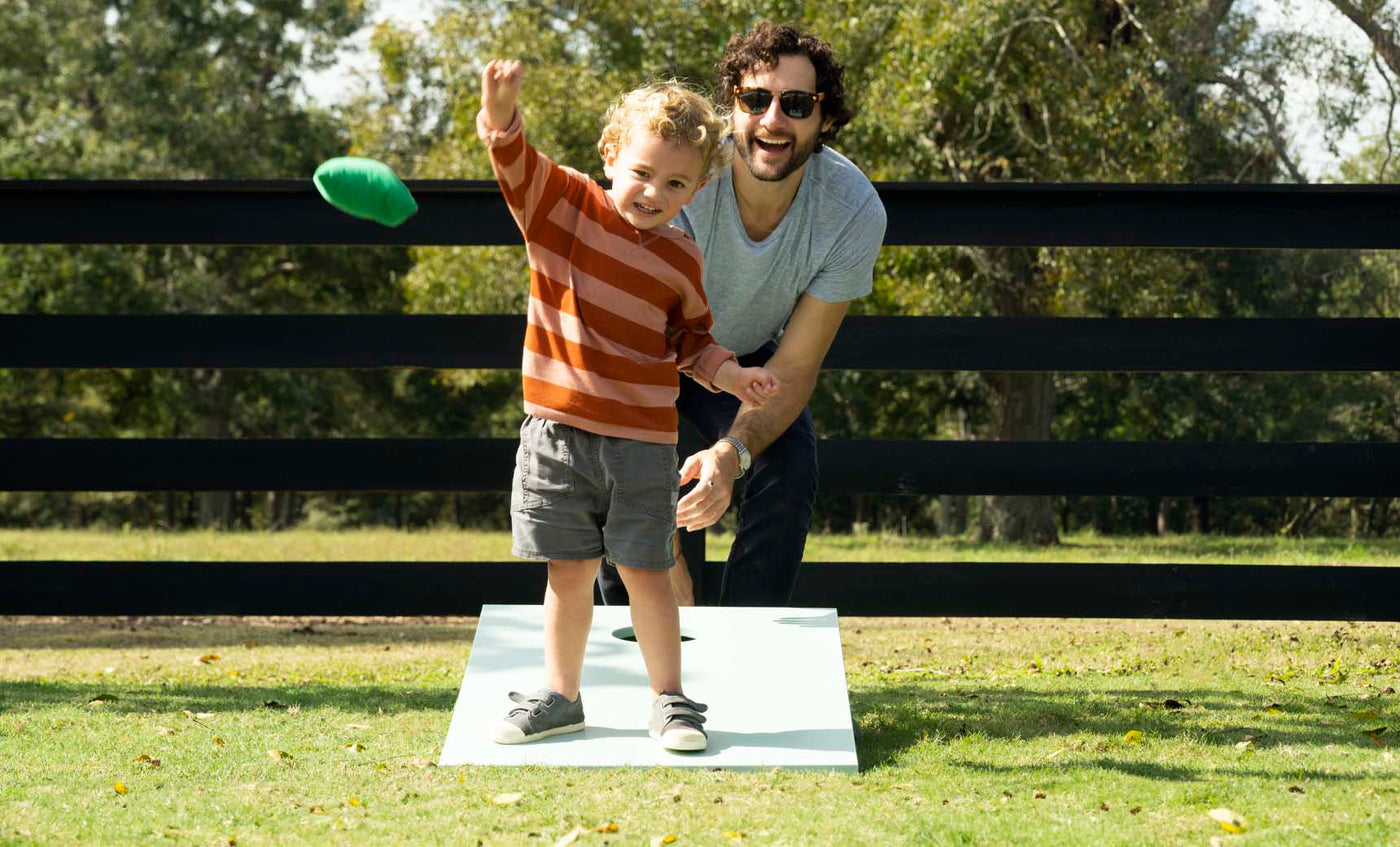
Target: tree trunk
column 1022, row 404
column 1200, row 515
column 214, row 506
column 952, row 515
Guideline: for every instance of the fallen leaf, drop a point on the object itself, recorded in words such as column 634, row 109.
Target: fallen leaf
column 272, row 704
column 1273, row 709
column 1245, row 746
column 1376, row 733
column 357, row 726
column 354, row 801
column 316, row 810
column 142, row 758
column 1174, row 704
column 509, row 799
column 103, row 699
column 207, row 658
column 1039, row 795
column 1133, row 736
column 119, row 787
column 279, row 755
column 607, row 827
column 461, row 777
column 250, row 644
column 570, row 837
column 1134, row 810
column 165, row 730
column 1227, row 819
column 219, row 741
column 1103, row 807
column 669, row 839
column 1295, row 789
column 734, row 835
column 420, row 762
column 355, row 747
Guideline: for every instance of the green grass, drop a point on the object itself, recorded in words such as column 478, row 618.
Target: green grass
column 962, row 723
column 482, row 545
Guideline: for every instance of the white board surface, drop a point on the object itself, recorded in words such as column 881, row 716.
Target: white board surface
column 773, row 679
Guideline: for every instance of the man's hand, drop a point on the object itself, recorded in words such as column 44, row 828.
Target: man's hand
column 715, row 469
column 500, row 87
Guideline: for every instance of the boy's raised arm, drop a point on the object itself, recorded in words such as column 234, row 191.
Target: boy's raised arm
column 500, row 88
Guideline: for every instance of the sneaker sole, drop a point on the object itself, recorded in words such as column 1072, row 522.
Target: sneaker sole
column 682, row 742
column 511, row 734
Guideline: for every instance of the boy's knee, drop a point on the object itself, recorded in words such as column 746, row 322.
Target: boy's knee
column 643, row 576
column 567, row 573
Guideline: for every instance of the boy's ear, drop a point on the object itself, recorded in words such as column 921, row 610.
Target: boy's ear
column 609, row 159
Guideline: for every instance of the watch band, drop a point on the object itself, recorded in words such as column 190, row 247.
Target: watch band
column 744, row 457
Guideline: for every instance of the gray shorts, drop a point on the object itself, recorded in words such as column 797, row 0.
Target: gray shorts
column 579, row 495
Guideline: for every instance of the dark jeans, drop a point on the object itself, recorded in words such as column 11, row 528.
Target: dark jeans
column 775, row 501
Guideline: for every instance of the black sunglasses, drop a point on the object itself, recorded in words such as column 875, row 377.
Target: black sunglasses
column 794, row 103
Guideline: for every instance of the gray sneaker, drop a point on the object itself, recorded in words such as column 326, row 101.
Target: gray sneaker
column 537, row 716
column 676, row 722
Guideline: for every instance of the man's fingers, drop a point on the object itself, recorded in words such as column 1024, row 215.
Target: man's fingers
column 691, row 469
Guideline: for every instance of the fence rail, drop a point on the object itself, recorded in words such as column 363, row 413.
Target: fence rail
column 864, row 343
column 290, row 212
column 453, row 212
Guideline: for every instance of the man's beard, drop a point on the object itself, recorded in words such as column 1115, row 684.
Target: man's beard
column 797, row 158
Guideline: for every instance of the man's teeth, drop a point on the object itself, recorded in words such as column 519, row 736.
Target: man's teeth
column 772, row 142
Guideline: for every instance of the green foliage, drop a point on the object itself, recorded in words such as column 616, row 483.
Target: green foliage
column 980, row 91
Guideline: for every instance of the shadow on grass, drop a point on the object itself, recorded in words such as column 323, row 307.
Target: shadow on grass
column 162, row 632
column 1176, row 773
column 892, row 719
column 139, row 699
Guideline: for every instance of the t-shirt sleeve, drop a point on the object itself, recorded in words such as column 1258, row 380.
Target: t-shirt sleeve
column 698, row 355
column 849, row 272
column 529, row 181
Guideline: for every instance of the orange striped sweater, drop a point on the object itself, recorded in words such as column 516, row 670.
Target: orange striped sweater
column 614, row 311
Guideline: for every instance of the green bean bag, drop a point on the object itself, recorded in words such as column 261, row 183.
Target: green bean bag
column 366, row 189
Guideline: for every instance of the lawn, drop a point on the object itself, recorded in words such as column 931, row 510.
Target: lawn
column 970, row 731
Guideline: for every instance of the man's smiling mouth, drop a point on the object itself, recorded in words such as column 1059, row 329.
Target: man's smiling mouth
column 773, row 145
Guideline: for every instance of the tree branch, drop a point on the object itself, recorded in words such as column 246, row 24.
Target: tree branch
column 1272, row 124
column 1382, row 38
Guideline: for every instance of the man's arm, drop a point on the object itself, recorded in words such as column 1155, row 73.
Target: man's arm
column 796, row 364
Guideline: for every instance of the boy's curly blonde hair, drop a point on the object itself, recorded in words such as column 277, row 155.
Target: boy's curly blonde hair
column 672, row 112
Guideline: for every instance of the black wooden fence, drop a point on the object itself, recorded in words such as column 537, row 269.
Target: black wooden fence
column 290, row 212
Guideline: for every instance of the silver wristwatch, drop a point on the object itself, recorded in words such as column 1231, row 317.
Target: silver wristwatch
column 744, row 458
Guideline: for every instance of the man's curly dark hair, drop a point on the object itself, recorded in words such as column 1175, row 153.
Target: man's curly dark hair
column 762, row 46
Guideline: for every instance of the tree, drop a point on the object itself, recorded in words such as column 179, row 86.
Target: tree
column 160, row 89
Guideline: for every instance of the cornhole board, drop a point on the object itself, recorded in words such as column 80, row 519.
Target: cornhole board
column 772, row 677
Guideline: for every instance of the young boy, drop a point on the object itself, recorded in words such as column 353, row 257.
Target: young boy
column 616, row 308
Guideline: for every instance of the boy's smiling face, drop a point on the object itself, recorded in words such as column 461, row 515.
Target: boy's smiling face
column 652, row 178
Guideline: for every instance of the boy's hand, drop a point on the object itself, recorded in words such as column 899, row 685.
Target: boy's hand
column 752, row 385
column 500, row 86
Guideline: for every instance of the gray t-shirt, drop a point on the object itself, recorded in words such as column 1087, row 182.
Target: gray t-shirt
column 825, row 246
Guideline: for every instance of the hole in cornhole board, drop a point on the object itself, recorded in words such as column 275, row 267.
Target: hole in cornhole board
column 773, row 679
column 626, row 633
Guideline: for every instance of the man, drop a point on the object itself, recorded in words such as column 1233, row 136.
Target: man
column 790, row 234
